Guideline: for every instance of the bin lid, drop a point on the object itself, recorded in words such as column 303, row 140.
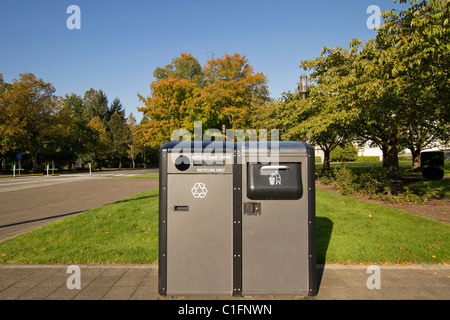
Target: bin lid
column 285, row 148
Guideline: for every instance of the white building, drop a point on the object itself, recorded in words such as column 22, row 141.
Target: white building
column 368, row 151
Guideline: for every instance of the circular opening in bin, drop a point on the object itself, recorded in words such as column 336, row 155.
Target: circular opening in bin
column 182, row 163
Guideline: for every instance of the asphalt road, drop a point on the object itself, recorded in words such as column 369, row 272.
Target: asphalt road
column 30, row 202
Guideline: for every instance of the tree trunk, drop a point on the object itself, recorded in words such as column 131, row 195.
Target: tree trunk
column 74, row 164
column 326, row 161
column 384, row 152
column 392, row 160
column 415, row 159
column 34, row 161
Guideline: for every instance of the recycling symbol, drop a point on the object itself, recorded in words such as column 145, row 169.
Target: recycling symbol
column 199, row 190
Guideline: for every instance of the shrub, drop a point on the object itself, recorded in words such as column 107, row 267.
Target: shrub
column 373, row 183
column 345, row 153
column 368, row 158
column 345, row 181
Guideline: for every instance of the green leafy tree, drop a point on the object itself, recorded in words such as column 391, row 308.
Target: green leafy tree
column 402, row 80
column 417, row 53
column 120, row 135
column 28, row 111
column 96, row 104
column 184, row 67
column 395, row 87
column 99, row 146
column 72, row 128
column 116, row 106
column 306, row 120
column 327, row 120
column 136, row 145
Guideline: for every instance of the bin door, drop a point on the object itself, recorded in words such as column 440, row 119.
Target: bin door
column 275, row 230
column 199, row 234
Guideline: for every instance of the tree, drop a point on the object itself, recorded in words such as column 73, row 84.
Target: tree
column 6, row 143
column 326, row 119
column 402, row 80
column 28, row 115
column 116, row 106
column 174, row 104
column 96, row 104
column 99, row 145
column 394, row 90
column 233, row 91
column 417, row 52
column 229, row 94
column 136, row 145
column 120, row 135
column 72, row 127
column 184, row 67
column 306, row 120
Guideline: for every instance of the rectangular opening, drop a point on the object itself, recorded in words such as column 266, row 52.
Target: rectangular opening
column 274, row 182
column 181, row 208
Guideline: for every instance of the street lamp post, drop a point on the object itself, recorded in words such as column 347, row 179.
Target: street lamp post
column 303, row 86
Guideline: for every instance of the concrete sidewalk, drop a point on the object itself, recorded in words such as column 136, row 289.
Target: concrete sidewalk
column 140, row 282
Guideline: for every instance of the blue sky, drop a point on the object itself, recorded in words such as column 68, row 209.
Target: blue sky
column 120, row 43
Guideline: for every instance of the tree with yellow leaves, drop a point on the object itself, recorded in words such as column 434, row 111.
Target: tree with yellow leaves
column 228, row 93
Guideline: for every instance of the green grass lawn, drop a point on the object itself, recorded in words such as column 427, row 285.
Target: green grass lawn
column 125, row 231
column 348, row 231
column 353, row 231
column 443, row 186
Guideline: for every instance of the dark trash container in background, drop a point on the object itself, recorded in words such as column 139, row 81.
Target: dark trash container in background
column 432, row 164
column 233, row 224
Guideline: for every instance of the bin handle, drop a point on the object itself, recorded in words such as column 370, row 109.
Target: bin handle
column 274, row 168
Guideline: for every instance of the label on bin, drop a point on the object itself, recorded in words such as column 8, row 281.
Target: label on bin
column 199, row 190
column 275, row 178
column 211, row 170
column 211, row 159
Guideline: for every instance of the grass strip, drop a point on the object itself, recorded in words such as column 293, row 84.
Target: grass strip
column 126, row 231
column 354, row 231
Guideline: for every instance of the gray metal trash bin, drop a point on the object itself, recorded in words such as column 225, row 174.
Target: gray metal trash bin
column 233, row 224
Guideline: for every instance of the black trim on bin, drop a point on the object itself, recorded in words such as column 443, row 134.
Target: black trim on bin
column 162, row 260
column 237, row 224
column 310, row 168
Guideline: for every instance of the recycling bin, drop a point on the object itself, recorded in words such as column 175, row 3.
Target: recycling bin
column 237, row 219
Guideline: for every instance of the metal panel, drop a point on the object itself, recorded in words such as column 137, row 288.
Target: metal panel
column 199, row 241
column 275, row 257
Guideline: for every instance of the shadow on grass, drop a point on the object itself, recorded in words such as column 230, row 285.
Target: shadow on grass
column 137, row 198
column 40, row 219
column 324, row 227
